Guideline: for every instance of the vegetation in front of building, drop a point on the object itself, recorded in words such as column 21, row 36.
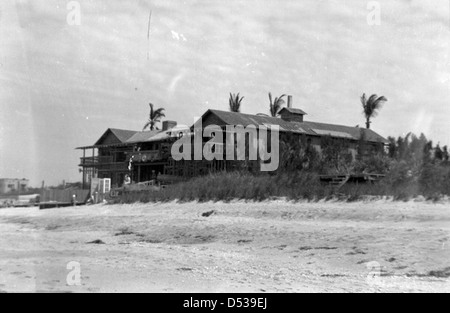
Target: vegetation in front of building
column 413, row 167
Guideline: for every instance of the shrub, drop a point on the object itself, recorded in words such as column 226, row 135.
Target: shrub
column 376, row 163
column 237, row 185
column 434, row 180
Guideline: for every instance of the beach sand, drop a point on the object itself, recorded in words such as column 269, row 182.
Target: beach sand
column 274, row 246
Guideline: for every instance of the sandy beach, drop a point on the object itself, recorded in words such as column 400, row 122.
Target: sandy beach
column 276, row 246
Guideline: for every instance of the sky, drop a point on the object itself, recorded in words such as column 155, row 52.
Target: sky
column 64, row 80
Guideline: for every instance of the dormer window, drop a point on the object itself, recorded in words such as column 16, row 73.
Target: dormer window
column 291, row 114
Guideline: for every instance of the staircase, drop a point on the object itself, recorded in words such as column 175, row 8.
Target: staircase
column 337, row 181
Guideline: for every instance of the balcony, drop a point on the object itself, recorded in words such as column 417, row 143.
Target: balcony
column 96, row 160
column 146, row 156
column 104, row 163
column 112, row 167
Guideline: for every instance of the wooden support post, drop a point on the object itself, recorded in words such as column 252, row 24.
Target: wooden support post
column 93, row 162
column 83, row 180
column 139, row 174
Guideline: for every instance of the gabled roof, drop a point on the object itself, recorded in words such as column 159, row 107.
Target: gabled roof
column 293, row 111
column 142, row 136
column 121, row 135
column 233, row 118
column 162, row 135
column 344, row 131
column 307, row 128
column 157, row 135
column 115, row 137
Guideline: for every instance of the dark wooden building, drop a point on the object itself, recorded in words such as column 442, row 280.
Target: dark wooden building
column 120, row 152
column 143, row 155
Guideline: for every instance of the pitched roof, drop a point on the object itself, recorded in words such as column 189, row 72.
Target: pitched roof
column 233, row 118
column 157, row 135
column 163, row 135
column 307, row 128
column 293, row 111
column 128, row 137
column 344, row 131
column 122, row 134
column 142, row 136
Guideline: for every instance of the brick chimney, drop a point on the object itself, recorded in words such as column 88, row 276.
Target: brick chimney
column 166, row 125
column 289, row 103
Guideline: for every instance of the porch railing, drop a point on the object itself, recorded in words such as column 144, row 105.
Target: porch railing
column 96, row 160
column 145, row 156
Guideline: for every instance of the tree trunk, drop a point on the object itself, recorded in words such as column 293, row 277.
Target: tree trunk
column 368, row 123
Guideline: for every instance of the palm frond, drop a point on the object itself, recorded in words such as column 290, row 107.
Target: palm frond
column 154, row 116
column 276, row 105
column 363, row 100
column 372, row 98
column 280, row 102
column 230, row 102
column 379, row 102
column 151, row 109
column 371, row 106
column 159, row 110
column 235, row 102
column 159, row 113
column 146, row 125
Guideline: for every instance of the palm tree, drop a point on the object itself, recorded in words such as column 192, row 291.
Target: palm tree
column 275, row 106
column 154, row 117
column 371, row 106
column 235, row 102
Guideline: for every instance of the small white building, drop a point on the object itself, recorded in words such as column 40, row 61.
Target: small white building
column 8, row 185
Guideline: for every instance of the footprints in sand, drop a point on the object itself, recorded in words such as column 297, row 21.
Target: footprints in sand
column 363, row 262
column 51, row 227
column 244, row 241
column 356, row 251
column 96, row 242
column 208, row 214
column 308, row 248
column 166, row 235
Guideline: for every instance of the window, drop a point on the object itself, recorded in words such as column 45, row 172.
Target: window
column 105, row 185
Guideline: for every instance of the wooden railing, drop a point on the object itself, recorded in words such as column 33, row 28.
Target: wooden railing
column 145, row 156
column 118, row 166
column 108, row 161
column 96, row 160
